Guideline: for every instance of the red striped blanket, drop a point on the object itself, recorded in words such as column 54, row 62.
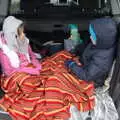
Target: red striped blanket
column 49, row 95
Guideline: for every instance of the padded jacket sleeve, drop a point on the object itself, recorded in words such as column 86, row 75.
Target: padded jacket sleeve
column 98, row 66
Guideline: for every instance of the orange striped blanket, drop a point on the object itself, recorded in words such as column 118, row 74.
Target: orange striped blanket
column 49, row 95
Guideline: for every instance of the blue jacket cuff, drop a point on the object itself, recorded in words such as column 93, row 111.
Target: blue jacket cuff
column 76, row 69
column 71, row 64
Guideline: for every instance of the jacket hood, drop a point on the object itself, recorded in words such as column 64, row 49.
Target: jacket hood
column 106, row 31
column 10, row 26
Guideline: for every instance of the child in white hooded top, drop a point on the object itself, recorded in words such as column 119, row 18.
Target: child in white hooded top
column 16, row 52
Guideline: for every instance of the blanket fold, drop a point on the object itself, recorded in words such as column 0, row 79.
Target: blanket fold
column 47, row 96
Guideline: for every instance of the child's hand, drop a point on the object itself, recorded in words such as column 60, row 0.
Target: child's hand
column 76, row 59
column 37, row 64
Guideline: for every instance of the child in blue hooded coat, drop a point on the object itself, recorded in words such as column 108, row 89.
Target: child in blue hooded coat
column 98, row 56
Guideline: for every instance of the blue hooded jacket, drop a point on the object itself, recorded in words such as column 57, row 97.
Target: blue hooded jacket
column 97, row 60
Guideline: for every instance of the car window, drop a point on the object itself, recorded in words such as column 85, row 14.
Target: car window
column 18, row 6
column 15, row 6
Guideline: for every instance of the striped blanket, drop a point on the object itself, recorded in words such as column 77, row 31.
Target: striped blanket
column 47, row 96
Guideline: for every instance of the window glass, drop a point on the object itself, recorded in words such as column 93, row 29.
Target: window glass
column 33, row 5
column 15, row 6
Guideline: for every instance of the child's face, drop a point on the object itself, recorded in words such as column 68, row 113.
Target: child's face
column 21, row 33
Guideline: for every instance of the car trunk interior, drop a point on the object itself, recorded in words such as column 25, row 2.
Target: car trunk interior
column 47, row 20
column 41, row 40
column 47, row 28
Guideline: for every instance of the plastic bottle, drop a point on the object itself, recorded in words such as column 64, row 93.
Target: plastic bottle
column 74, row 33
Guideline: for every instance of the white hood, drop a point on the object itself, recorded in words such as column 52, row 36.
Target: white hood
column 10, row 26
